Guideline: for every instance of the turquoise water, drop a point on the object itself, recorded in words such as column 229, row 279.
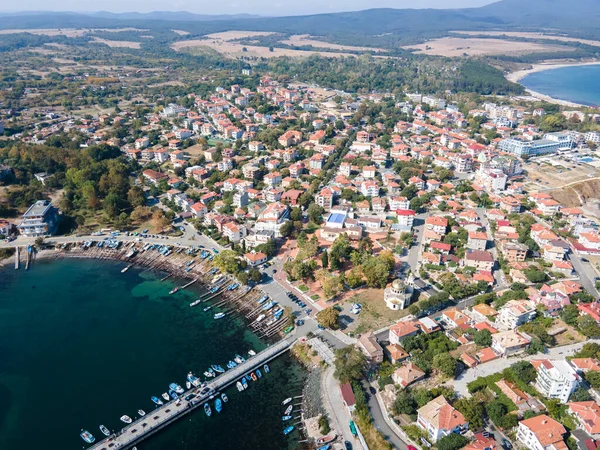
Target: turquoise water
column 82, row 344
column 577, row 84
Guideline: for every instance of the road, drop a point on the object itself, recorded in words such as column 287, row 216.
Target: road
column 335, row 406
column 498, row 273
column 381, row 424
column 498, row 365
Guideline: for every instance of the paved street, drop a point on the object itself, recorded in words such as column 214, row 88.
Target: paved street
column 335, row 407
column 381, row 424
column 498, row 365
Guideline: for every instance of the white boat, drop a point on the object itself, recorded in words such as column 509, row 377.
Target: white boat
column 188, row 385
column 126, row 419
column 251, row 352
column 195, row 303
column 125, row 269
column 260, row 319
column 239, row 386
column 141, row 412
column 286, row 401
column 289, row 409
column 219, row 315
column 209, row 374
column 104, row 430
column 166, row 396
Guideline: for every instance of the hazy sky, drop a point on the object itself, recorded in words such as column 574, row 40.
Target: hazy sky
column 263, row 7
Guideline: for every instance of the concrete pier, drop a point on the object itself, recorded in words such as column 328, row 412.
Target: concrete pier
column 162, row 416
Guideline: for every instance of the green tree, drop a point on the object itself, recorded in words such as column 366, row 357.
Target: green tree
column 350, row 364
column 523, row 371
column 445, row 364
column 329, row 318
column 472, row 409
column 228, row 261
column 496, row 410
column 315, row 213
column 404, row 403
column 588, row 326
column 453, row 441
column 580, row 395
column 483, row 338
column 593, row 377
column 325, row 259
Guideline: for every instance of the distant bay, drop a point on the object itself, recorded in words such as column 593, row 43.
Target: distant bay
column 578, row 84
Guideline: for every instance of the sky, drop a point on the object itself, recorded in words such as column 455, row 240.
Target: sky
column 261, row 7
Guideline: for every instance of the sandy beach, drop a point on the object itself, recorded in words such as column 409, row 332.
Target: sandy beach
column 518, row 75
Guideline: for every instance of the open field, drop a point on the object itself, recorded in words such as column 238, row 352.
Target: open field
column 235, row 50
column 181, row 32
column 306, row 39
column 238, row 34
column 529, row 35
column 68, row 32
column 374, row 314
column 118, row 44
column 454, row 46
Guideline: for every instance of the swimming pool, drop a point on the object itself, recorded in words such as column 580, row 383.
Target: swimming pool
column 586, row 159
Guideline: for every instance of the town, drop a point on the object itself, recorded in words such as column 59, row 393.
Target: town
column 449, row 248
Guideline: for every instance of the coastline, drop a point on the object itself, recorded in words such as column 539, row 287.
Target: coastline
column 518, row 75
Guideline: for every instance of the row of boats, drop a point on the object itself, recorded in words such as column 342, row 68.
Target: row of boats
column 242, row 385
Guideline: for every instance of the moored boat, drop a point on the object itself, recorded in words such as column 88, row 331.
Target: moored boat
column 289, row 409
column 166, row 396
column 258, row 374
column 288, row 430
column 284, row 418
column 209, row 374
column 239, row 386
column 244, row 383
column 251, row 352
column 266, row 367
column 141, row 412
column 197, row 302
column 325, row 447
column 104, row 430
column 193, row 379
column 126, row 419
column 87, row 436
column 175, row 387
column 174, row 290
column 217, row 368
column 286, row 401
column 219, row 315
column 208, row 308
column 188, row 385
column 218, row 405
column 260, row 318
column 207, row 409
column 156, row 400
column 224, row 397
column 231, row 365
column 253, row 376
column 238, row 359
column 326, row 439
column 173, row 395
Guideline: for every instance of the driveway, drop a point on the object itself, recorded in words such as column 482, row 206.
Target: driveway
column 380, row 423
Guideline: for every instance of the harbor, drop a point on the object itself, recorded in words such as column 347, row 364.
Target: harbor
column 189, row 401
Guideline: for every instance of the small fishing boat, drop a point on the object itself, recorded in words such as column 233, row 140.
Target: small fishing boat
column 285, row 418
column 244, row 383
column 239, row 359
column 87, row 436
column 288, row 430
column 141, row 412
column 217, row 368
column 248, row 378
column 207, row 409
column 326, row 439
column 251, row 352
column 173, row 395
column 224, row 397
column 166, row 396
column 239, row 386
column 260, row 318
column 188, row 385
column 197, row 302
column 156, row 400
column 258, row 374
column 218, row 405
column 286, row 401
column 125, row 269
column 175, row 387
column 289, row 409
column 209, row 374
column 231, row 365
column 126, row 419
column 219, row 315
column 174, row 290
column 266, row 367
column 253, row 376
column 104, row 430
column 193, row 379
column 208, row 308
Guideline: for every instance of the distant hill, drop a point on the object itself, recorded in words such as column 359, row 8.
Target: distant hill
column 172, row 15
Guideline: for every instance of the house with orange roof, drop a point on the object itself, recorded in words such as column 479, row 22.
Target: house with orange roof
column 522, row 400
column 541, row 433
column 483, row 311
column 438, row 419
column 396, row 353
column 482, row 442
column 591, row 309
column 585, row 364
column 407, row 374
column 455, row 318
column 437, row 224
column 402, row 330
column 477, row 240
column 588, row 416
column 255, row 258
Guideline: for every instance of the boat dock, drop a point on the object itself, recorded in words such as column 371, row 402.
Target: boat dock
column 16, row 258
column 164, row 415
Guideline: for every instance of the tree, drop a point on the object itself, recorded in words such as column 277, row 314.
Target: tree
column 496, row 410
column 453, row 441
column 135, row 196
column 593, row 377
column 325, row 259
column 243, row 277
column 569, row 314
column 315, row 213
column 376, row 272
column 483, row 338
column 404, row 403
column 445, row 364
column 228, row 261
column 255, row 275
column 329, row 318
column 350, row 364
column 588, row 326
column 523, row 371
column 580, row 395
column 39, row 243
column 472, row 409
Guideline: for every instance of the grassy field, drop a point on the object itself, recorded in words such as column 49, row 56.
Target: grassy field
column 374, row 314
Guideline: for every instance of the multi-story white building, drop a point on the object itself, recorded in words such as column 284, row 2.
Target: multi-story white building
column 555, row 379
column 515, row 313
column 369, row 188
column 406, row 218
column 541, row 433
column 438, row 419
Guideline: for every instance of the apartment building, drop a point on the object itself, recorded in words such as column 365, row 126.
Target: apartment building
column 555, row 379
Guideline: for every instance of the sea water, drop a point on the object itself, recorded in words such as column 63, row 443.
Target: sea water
column 82, row 344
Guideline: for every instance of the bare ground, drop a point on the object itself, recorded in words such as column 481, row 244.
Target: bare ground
column 306, row 39
column 529, row 35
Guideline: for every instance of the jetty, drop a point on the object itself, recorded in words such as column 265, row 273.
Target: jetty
column 16, row 258
column 173, row 410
